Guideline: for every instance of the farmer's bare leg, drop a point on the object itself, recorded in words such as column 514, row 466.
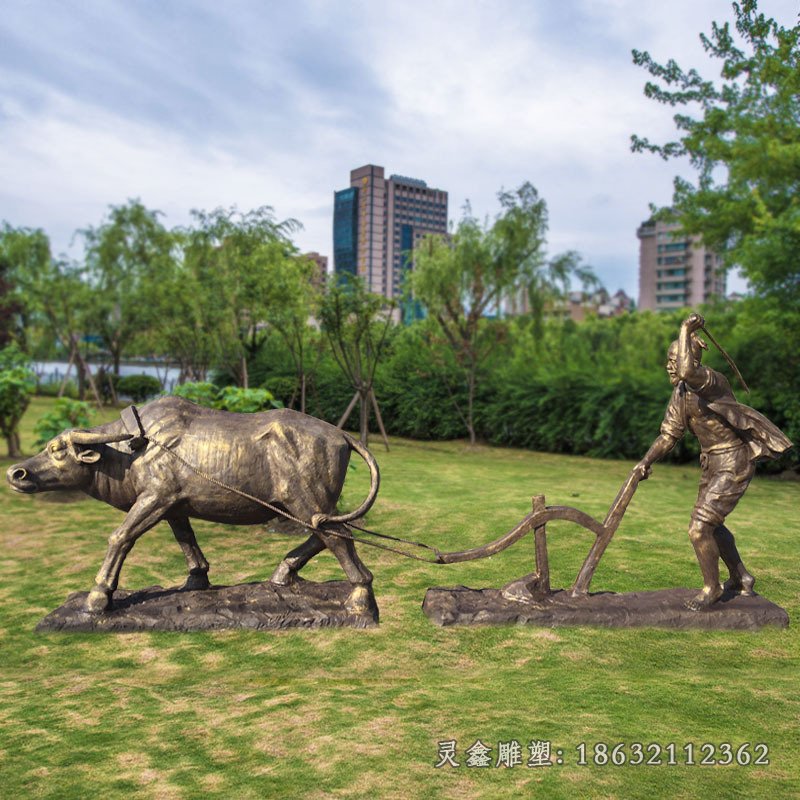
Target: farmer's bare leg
column 740, row 580
column 361, row 598
column 705, row 546
column 293, row 562
column 144, row 513
column 195, row 560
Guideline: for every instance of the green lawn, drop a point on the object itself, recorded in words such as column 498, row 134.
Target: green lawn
column 353, row 713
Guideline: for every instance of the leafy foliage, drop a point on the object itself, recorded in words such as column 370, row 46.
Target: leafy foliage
column 356, row 324
column 66, row 414
column 744, row 143
column 246, row 401
column 124, row 255
column 464, row 282
column 138, row 387
column 201, row 392
column 229, row 398
column 17, row 383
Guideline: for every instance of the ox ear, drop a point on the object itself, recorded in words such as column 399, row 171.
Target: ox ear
column 88, row 456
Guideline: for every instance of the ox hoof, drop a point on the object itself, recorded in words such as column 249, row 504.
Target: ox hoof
column 361, row 600
column 284, row 575
column 98, row 601
column 197, row 580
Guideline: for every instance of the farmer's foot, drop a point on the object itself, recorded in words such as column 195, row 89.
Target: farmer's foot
column 740, row 584
column 707, row 597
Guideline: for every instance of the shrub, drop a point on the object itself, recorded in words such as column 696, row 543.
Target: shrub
column 51, row 389
column 17, row 383
column 202, row 393
column 229, row 398
column 138, row 387
column 246, row 401
column 66, row 414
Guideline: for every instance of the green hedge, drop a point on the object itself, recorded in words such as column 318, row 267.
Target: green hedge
column 597, row 388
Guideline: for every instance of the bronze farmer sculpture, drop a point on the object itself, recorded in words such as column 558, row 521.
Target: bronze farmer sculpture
column 181, row 462
column 732, row 437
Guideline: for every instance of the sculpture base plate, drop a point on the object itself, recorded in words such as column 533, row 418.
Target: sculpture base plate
column 662, row 609
column 258, row 606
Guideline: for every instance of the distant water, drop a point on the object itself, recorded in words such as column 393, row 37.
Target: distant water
column 54, row 371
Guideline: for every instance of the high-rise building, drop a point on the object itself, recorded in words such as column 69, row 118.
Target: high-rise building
column 377, row 222
column 675, row 270
column 320, row 276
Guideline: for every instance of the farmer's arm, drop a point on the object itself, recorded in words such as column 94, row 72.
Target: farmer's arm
column 697, row 377
column 660, row 447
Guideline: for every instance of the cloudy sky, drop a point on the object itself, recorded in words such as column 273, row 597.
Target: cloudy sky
column 198, row 104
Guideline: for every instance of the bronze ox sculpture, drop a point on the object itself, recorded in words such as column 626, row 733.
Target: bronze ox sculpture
column 174, row 460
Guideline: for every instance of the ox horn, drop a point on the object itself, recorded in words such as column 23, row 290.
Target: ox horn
column 94, row 437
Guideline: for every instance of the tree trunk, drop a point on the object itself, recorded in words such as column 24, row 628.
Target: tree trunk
column 363, row 397
column 85, row 372
column 12, row 440
column 244, row 376
column 80, row 368
column 470, row 407
column 111, row 388
column 303, row 393
column 62, row 388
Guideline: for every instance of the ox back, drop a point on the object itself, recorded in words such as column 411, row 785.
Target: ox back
column 288, row 459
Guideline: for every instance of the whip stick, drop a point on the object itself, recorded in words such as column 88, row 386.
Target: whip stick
column 727, row 358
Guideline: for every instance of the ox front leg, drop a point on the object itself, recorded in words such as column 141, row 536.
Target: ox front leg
column 144, row 513
column 361, row 599
column 195, row 560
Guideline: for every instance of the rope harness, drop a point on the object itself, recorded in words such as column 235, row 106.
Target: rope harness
column 282, row 512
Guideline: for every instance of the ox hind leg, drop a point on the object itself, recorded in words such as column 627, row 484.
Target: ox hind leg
column 293, row 562
column 143, row 515
column 361, row 599
column 195, row 560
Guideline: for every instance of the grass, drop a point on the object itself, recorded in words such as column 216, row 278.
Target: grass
column 355, row 714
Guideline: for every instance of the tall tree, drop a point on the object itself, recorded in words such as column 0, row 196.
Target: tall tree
column 742, row 135
column 465, row 280
column 294, row 299
column 187, row 318
column 24, row 255
column 240, row 252
column 52, row 295
column 122, row 255
column 356, row 323
column 17, row 383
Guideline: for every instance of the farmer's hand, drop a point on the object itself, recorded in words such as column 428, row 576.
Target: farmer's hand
column 644, row 470
column 694, row 322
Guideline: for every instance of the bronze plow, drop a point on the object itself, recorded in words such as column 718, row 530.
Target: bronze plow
column 536, row 521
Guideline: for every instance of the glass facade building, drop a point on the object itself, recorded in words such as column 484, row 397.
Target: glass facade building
column 345, row 230
column 391, row 216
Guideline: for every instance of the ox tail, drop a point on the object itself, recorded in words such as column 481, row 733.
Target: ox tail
column 375, row 482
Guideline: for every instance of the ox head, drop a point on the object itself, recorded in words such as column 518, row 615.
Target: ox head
column 65, row 463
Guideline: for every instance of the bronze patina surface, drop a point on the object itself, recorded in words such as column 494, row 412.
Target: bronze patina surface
column 254, row 606
column 732, row 438
column 175, row 461
column 662, row 609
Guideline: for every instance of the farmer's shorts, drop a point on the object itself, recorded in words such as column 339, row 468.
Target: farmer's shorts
column 725, row 477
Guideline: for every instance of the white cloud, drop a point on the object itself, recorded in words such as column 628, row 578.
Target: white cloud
column 258, row 104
